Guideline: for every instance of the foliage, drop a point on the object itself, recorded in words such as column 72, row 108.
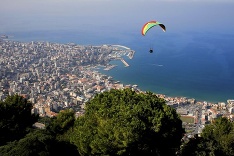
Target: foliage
column 51, row 141
column 17, row 137
column 216, row 139
column 123, row 122
column 62, row 122
column 15, row 118
column 38, row 143
column 45, row 120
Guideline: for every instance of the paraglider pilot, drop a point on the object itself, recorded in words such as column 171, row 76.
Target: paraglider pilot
column 151, row 50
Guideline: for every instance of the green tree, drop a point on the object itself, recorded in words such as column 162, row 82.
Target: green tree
column 216, row 139
column 123, row 122
column 38, row 143
column 62, row 122
column 15, row 118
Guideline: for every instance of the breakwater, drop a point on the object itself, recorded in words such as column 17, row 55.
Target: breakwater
column 124, row 62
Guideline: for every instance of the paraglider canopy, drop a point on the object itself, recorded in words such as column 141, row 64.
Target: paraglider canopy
column 147, row 26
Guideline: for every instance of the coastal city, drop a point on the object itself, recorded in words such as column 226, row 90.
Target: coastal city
column 55, row 76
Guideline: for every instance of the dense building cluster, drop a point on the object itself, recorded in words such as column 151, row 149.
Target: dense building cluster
column 56, row 76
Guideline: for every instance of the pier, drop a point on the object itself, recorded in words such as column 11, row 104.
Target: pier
column 121, row 59
column 124, row 62
column 110, row 67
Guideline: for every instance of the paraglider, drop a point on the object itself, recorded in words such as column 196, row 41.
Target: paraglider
column 147, row 26
column 151, row 50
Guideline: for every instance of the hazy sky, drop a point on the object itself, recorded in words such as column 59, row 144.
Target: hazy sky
column 121, row 15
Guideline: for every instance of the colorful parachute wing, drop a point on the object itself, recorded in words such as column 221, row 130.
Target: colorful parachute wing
column 147, row 26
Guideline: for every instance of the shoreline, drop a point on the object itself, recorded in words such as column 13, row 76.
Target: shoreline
column 213, row 101
column 198, row 100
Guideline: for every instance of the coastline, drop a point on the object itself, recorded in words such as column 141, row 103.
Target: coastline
column 114, row 72
column 157, row 79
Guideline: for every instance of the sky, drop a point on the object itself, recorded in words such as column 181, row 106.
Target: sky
column 112, row 15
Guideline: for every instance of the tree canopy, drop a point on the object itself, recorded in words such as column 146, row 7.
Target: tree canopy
column 216, row 139
column 117, row 122
column 62, row 122
column 15, row 118
column 38, row 143
column 124, row 122
column 54, row 140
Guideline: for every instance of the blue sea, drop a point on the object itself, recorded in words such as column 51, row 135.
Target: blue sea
column 191, row 64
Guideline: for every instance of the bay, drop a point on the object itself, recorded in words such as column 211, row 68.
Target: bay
column 191, row 64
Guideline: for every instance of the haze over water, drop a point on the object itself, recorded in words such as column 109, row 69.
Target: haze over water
column 193, row 58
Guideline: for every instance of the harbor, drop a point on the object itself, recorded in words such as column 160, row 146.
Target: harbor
column 118, row 52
